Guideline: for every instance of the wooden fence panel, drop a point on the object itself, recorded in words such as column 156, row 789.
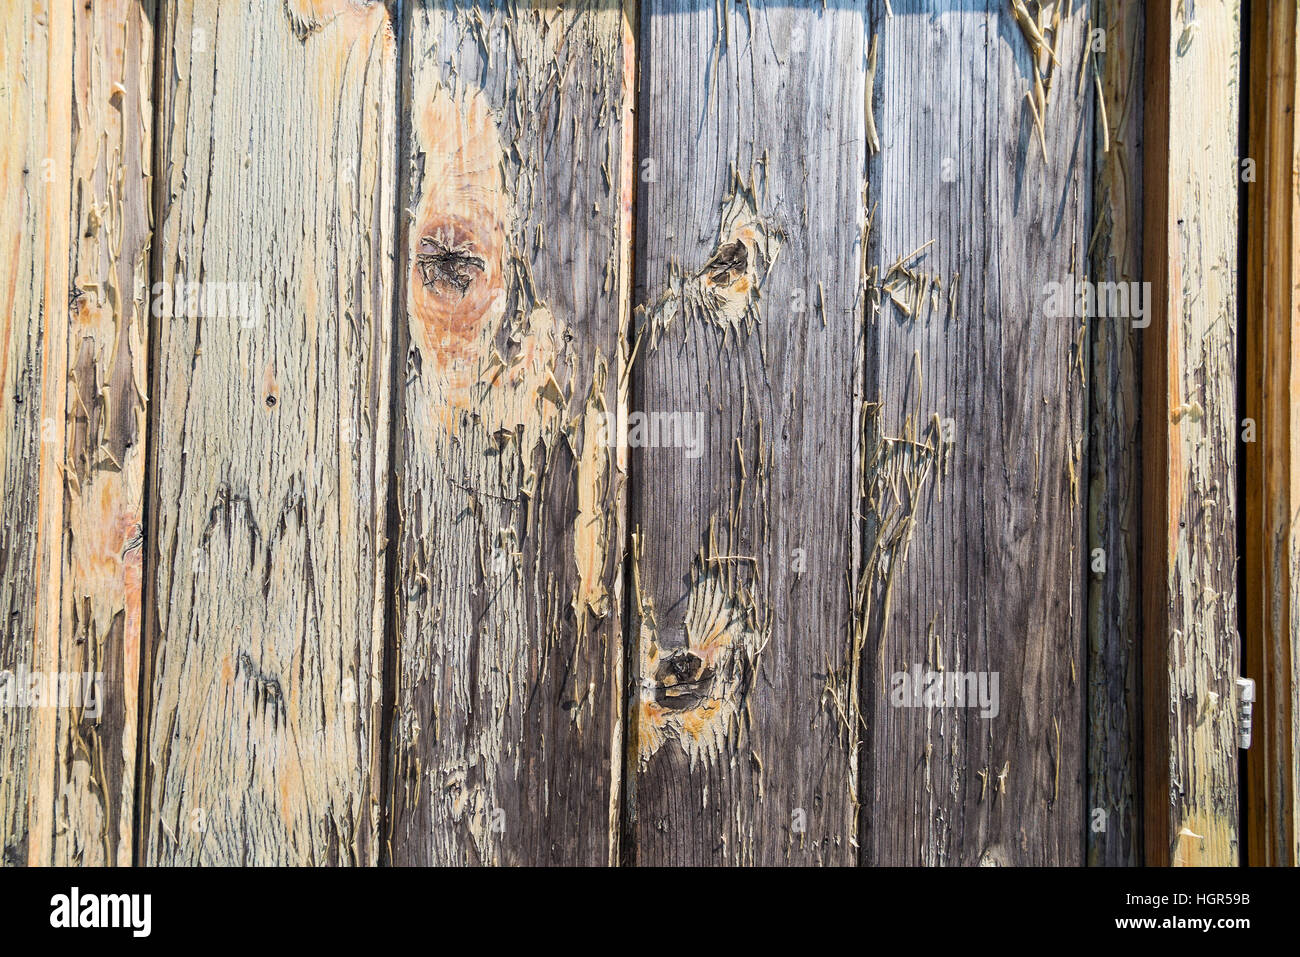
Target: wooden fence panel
column 329, row 492
column 270, row 432
column 1189, row 434
column 507, row 736
column 975, row 549
column 752, row 149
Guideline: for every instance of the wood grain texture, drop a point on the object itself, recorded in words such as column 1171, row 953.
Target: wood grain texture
column 35, row 162
column 751, row 149
column 347, row 470
column 1114, row 454
column 104, row 430
column 270, row 433
column 1190, row 643
column 974, row 552
column 1271, row 460
column 507, row 733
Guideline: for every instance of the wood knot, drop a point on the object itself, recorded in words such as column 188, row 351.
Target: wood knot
column 443, row 261
column 728, row 264
column 682, row 680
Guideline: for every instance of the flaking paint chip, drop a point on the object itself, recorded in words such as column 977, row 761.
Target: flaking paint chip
column 551, row 390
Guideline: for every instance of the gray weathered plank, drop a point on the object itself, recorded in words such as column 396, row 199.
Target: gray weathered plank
column 507, row 737
column 973, row 558
column 270, row 433
column 752, row 150
column 1114, row 461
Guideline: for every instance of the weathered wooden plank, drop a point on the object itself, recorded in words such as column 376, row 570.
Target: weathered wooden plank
column 507, row 736
column 1190, row 653
column 1271, row 429
column 1114, row 461
column 270, row 432
column 35, row 160
column 103, row 440
column 973, row 557
column 752, row 150
column 78, row 80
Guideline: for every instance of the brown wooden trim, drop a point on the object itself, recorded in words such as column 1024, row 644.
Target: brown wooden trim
column 1271, row 465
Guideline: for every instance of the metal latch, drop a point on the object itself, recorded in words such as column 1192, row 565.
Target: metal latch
column 1246, row 697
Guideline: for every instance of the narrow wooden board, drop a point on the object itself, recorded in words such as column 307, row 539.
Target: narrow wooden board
column 103, row 442
column 751, row 153
column 35, row 162
column 270, row 433
column 975, row 549
column 1189, row 435
column 1113, row 806
column 507, row 735
column 1271, row 424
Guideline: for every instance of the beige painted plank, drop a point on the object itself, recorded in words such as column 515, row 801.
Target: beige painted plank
column 103, row 440
column 35, row 160
column 270, row 433
column 1189, row 434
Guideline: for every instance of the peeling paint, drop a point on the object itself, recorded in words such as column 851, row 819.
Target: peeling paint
column 725, row 290
column 694, row 693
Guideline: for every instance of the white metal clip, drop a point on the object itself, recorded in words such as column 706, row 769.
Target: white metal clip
column 1246, row 695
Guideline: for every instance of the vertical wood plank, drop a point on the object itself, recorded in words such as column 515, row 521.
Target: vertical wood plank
column 35, row 161
column 507, row 735
column 974, row 555
column 1190, row 645
column 1113, row 810
column 1271, row 463
column 83, row 182
column 270, row 432
column 104, row 430
column 752, row 150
